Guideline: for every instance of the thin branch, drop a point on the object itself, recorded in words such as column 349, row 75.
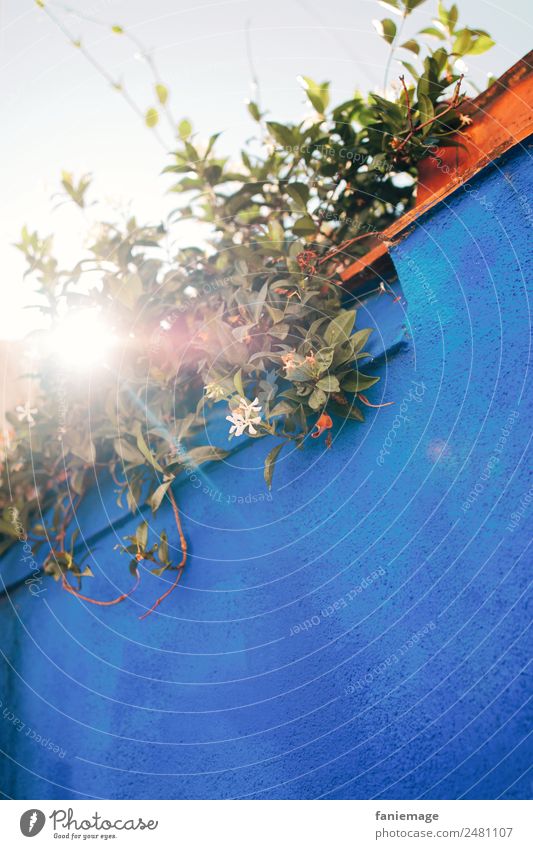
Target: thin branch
column 70, row 589
column 367, row 403
column 392, row 51
column 256, row 90
column 407, row 103
column 181, row 566
column 455, row 102
column 347, row 243
column 119, row 87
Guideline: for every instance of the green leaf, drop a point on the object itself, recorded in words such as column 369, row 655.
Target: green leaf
column 162, row 551
column 283, row 408
column 141, row 535
column 279, row 331
column 412, row 70
column 80, row 443
column 425, row 108
column 253, row 109
column 360, row 339
column 357, row 382
column 324, row 358
column 8, row 529
column 151, row 117
column 391, row 5
column 441, row 57
column 184, row 129
column 462, row 42
column 127, row 452
column 410, row 5
column 270, row 463
column 340, row 327
column 157, row 496
column 281, row 133
column 389, row 111
column 126, row 290
column 482, row 43
column 205, row 454
column 299, row 192
column 346, row 412
column 329, row 383
column 318, row 93
column 300, row 372
column 212, row 140
column 304, row 226
column 355, row 413
column 453, row 15
column 411, row 45
column 237, row 381
column 386, row 29
column 143, row 447
column 317, row 399
column 434, row 31
column 162, row 93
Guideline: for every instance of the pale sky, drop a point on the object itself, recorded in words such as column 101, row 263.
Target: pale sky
column 58, row 113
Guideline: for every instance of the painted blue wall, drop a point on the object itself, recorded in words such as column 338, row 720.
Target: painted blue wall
column 397, row 549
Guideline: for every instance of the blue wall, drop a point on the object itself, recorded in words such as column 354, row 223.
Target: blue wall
column 396, row 548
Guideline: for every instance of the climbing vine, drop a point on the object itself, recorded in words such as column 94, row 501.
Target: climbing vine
column 248, row 328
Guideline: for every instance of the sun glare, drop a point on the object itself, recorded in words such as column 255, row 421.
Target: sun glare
column 82, row 341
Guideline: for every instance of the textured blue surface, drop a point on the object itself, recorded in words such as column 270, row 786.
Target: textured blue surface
column 361, row 634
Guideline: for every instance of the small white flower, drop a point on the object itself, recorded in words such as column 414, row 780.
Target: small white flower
column 26, row 413
column 215, row 392
column 244, row 417
column 237, row 424
column 250, row 406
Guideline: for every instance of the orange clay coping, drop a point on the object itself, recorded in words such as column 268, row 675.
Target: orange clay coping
column 502, row 116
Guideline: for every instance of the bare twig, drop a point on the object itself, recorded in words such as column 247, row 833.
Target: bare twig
column 392, row 52
column 256, row 90
column 455, row 102
column 119, row 87
column 407, row 103
column 181, row 565
column 70, row 589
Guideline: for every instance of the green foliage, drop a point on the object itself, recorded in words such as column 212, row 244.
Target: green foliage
column 151, row 117
column 386, row 29
column 162, row 93
column 251, row 325
column 76, row 192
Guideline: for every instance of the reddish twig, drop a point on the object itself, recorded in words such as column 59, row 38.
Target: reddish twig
column 453, row 105
column 407, row 103
column 346, row 244
column 113, row 473
column 70, row 589
column 181, row 565
column 367, row 403
column 70, row 512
